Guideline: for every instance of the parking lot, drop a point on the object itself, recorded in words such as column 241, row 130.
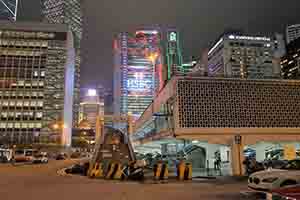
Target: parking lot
column 42, row 181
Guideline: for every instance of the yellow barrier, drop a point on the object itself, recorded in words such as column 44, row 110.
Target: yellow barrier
column 160, row 171
column 188, row 172
column 118, row 172
column 180, row 171
column 97, row 171
column 110, row 170
column 91, row 167
column 157, row 171
column 184, row 171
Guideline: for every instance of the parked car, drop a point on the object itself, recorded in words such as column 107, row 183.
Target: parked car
column 25, row 155
column 40, row 158
column 76, row 169
column 5, row 155
column 75, row 155
column 276, row 164
column 61, row 156
column 275, row 178
column 285, row 193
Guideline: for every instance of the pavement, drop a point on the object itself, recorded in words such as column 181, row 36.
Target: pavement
column 35, row 182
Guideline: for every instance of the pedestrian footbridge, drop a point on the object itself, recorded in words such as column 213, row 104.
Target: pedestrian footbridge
column 231, row 113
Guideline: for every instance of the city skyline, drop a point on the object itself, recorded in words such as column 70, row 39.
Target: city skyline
column 100, row 23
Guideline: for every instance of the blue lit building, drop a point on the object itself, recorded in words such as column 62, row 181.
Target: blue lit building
column 136, row 57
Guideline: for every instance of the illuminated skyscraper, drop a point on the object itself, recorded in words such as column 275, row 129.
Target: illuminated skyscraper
column 136, row 57
column 36, row 83
column 173, row 53
column 243, row 56
column 145, row 60
column 68, row 12
column 8, row 9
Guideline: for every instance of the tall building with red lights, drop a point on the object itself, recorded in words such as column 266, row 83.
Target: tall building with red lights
column 144, row 61
column 137, row 58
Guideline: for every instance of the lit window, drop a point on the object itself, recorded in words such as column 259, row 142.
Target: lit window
column 24, row 125
column 38, row 125
column 2, row 125
column 42, row 73
column 33, row 103
column 17, row 125
column 26, row 103
column 19, row 103
column 35, row 74
column 39, row 114
column 40, row 104
column 31, row 125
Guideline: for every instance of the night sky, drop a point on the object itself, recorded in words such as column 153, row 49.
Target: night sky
column 200, row 22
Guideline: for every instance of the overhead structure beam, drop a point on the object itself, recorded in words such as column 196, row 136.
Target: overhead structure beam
column 9, row 9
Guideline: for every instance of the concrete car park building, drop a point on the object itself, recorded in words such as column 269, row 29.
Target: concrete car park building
column 37, row 64
column 233, row 113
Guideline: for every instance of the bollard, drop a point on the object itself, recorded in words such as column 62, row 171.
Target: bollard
column 188, row 172
column 91, row 167
column 164, row 172
column 180, row 171
column 157, row 171
column 98, row 171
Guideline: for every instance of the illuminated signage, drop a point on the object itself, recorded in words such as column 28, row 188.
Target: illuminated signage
column 173, row 37
column 139, row 84
column 237, row 37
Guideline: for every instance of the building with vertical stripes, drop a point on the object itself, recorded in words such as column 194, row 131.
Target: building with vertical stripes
column 68, row 12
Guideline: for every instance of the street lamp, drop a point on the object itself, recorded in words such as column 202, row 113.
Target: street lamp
column 55, row 126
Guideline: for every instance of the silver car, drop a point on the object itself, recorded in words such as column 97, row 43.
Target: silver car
column 275, row 178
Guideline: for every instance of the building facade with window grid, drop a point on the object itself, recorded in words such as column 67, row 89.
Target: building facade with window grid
column 36, row 83
column 68, row 12
column 239, row 56
column 290, row 63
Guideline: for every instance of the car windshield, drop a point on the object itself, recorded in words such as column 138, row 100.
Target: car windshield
column 19, row 152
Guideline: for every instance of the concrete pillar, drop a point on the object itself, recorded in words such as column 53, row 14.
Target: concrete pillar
column 260, row 149
column 237, row 158
column 164, row 149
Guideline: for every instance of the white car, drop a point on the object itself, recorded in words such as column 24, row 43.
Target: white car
column 275, row 178
column 40, row 159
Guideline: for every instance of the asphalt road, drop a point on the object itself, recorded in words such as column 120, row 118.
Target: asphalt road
column 41, row 182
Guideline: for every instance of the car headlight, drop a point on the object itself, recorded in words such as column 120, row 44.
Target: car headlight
column 269, row 180
column 278, row 197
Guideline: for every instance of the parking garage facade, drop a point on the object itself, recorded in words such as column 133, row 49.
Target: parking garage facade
column 231, row 113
